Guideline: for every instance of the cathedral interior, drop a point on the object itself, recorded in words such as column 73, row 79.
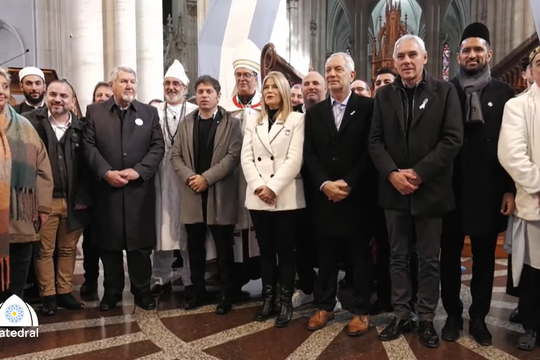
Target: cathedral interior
column 367, row 30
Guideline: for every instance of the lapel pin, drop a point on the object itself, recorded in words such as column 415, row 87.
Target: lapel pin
column 490, row 104
column 353, row 112
column 287, row 132
column 423, row 106
column 139, row 122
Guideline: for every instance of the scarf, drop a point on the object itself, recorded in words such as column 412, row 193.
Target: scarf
column 18, row 180
column 472, row 85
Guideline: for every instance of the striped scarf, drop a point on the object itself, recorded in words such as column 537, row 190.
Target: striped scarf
column 18, row 176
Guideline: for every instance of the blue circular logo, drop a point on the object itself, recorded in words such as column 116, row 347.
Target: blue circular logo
column 14, row 313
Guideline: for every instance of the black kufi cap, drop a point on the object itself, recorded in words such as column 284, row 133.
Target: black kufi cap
column 477, row 30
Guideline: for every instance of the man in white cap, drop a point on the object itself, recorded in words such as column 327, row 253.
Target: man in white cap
column 171, row 234
column 32, row 83
column 245, row 103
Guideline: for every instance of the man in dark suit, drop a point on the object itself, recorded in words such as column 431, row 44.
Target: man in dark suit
column 484, row 192
column 123, row 144
column 336, row 159
column 416, row 133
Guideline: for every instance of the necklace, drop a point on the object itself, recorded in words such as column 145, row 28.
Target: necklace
column 168, row 131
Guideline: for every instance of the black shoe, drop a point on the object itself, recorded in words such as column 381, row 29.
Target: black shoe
column 528, row 341
column 394, row 330
column 89, row 292
column 159, row 289
column 109, row 303
column 450, row 331
column 479, row 332
column 31, row 294
column 223, row 307
column 68, row 301
column 380, row 307
column 146, row 302
column 427, row 334
column 515, row 317
column 49, row 305
column 286, row 310
column 268, row 308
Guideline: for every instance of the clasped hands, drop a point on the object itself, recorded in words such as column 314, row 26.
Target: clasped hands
column 406, row 181
column 120, row 179
column 336, row 190
column 197, row 183
column 266, row 195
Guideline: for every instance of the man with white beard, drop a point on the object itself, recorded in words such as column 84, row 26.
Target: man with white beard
column 171, row 234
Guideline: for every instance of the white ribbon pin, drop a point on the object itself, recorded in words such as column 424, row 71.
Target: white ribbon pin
column 490, row 104
column 423, row 104
column 139, row 122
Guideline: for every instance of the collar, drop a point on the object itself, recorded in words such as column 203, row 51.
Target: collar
column 49, row 116
column 213, row 115
column 34, row 106
column 111, row 103
column 255, row 101
column 344, row 102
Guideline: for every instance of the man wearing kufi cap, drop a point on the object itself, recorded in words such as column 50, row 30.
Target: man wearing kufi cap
column 245, row 104
column 484, row 192
column 171, row 234
column 32, row 83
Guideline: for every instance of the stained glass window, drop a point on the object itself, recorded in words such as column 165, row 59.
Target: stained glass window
column 446, row 62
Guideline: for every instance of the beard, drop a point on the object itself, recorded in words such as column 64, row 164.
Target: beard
column 472, row 72
column 174, row 98
column 128, row 97
column 33, row 101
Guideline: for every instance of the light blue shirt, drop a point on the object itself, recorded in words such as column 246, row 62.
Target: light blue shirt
column 339, row 109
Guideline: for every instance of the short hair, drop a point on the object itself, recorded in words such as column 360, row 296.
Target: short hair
column 524, row 63
column 159, row 101
column 385, row 70
column 116, row 70
column 349, row 62
column 65, row 82
column 296, row 86
column 5, row 73
column 98, row 85
column 208, row 80
column 366, row 85
column 409, row 37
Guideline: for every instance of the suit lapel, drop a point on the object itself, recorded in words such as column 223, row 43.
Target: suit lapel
column 420, row 105
column 128, row 125
column 487, row 98
column 328, row 117
column 396, row 102
column 190, row 124
column 219, row 128
column 349, row 112
column 275, row 130
column 262, row 133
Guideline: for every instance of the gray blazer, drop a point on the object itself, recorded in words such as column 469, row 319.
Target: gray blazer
column 222, row 177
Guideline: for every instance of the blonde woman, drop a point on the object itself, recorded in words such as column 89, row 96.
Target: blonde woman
column 271, row 160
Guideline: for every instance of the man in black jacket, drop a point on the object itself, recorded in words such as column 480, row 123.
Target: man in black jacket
column 61, row 132
column 483, row 190
column 416, row 133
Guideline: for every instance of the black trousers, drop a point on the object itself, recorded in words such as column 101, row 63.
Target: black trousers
column 276, row 235
column 306, row 253
column 20, row 259
column 510, row 288
column 224, row 239
column 139, row 269
column 359, row 254
column 402, row 227
column 483, row 251
column 90, row 259
column 529, row 298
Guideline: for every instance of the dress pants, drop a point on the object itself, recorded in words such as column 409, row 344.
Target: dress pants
column 223, row 238
column 139, row 269
column 359, row 251
column 277, row 232
column 306, row 253
column 529, row 298
column 90, row 258
column 401, row 229
column 483, row 251
column 510, row 288
column 382, row 269
column 20, row 258
column 162, row 266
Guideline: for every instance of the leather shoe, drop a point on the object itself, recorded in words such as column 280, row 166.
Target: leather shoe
column 428, row 335
column 515, row 317
column 359, row 325
column 450, row 331
column 223, row 307
column 479, row 332
column 319, row 320
column 159, row 289
column 146, row 302
column 394, row 330
column 109, row 303
column 528, row 341
column 379, row 307
column 49, row 305
column 89, row 292
column 68, row 301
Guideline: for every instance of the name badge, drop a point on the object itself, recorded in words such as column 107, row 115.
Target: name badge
column 139, row 122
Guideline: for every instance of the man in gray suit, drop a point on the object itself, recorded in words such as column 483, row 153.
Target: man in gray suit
column 205, row 156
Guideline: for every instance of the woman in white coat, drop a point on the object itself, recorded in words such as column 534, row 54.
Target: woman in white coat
column 271, row 161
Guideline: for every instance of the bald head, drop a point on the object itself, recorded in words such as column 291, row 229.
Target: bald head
column 313, row 88
column 361, row 88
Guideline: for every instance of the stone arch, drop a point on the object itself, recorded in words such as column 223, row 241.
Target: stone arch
column 338, row 26
column 4, row 25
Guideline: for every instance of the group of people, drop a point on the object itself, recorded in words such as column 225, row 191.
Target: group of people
column 277, row 183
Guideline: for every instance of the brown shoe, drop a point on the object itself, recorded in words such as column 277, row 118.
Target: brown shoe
column 319, row 320
column 359, row 325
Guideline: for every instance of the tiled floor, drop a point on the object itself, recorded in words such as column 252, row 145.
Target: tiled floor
column 172, row 333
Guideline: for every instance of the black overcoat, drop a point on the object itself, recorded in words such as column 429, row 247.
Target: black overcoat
column 123, row 218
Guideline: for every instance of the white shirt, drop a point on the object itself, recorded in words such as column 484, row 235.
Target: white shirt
column 59, row 130
column 339, row 109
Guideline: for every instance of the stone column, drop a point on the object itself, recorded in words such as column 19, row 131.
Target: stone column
column 86, row 67
column 432, row 17
column 125, row 33
column 294, row 32
column 109, row 55
column 192, row 36
column 149, row 49
column 318, row 26
column 518, row 33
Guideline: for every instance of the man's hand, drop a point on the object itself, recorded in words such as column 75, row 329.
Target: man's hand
column 129, row 174
column 266, row 195
column 43, row 218
column 415, row 179
column 402, row 181
column 197, row 183
column 508, row 204
column 343, row 186
column 79, row 207
column 114, row 179
column 334, row 191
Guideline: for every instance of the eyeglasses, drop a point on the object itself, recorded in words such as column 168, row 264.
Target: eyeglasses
column 246, row 76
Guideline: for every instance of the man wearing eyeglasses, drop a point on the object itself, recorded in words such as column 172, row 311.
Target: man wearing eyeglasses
column 245, row 104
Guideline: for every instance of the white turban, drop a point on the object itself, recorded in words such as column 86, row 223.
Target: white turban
column 177, row 71
column 31, row 70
